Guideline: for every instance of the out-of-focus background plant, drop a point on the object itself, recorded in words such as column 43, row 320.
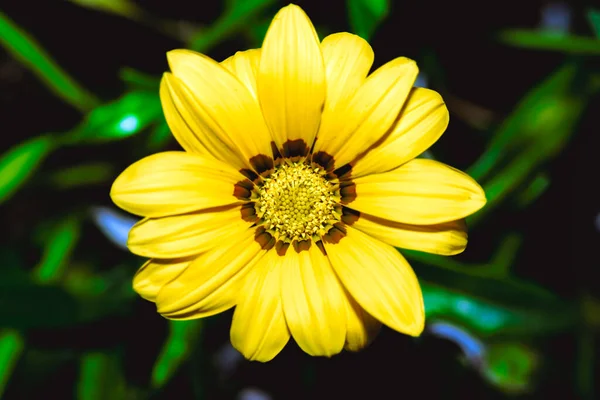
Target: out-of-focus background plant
column 517, row 314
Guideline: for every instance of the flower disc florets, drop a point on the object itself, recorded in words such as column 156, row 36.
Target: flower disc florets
column 297, row 202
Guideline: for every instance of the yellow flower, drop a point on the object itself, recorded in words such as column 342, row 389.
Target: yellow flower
column 298, row 178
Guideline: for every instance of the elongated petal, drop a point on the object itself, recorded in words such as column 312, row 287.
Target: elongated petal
column 222, row 104
column 419, row 125
column 313, row 302
column 244, row 65
column 174, row 182
column 348, row 59
column 365, row 118
column 258, row 329
column 380, row 280
column 291, row 78
column 186, row 234
column 447, row 238
column 362, row 328
column 154, row 274
column 211, row 283
column 421, row 192
column 189, row 129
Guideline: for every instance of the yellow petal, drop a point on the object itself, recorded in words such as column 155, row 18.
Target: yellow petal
column 447, row 238
column 258, row 329
column 221, row 103
column 313, row 302
column 291, row 79
column 348, row 59
column 420, row 124
column 189, row 129
column 174, row 182
column 211, row 283
column 361, row 326
column 363, row 119
column 380, row 280
column 421, row 192
column 154, row 274
column 186, row 234
column 244, row 65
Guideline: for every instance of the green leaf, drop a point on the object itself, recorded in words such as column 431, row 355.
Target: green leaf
column 11, row 348
column 511, row 366
column 101, row 377
column 533, row 189
column 139, row 80
column 124, row 8
column 497, row 317
column 233, row 20
column 183, row 336
column 92, row 173
column 25, row 304
column 25, row 49
column 159, row 136
column 539, row 40
column 594, row 18
column 366, row 15
column 120, row 119
column 20, row 162
column 536, row 131
column 57, row 251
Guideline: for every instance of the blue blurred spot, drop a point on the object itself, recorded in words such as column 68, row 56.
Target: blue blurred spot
column 129, row 123
column 472, row 348
column 556, row 17
column 421, row 80
column 114, row 225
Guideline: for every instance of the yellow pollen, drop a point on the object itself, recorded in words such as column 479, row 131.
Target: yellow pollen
column 297, row 202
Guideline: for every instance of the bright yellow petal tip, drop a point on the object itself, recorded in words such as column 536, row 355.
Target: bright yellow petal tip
column 297, row 183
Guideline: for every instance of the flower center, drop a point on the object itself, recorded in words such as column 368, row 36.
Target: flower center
column 297, row 202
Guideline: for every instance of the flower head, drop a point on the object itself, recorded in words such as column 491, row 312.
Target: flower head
column 297, row 181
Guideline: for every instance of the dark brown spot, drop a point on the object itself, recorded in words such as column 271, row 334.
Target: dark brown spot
column 248, row 173
column 261, row 163
column 321, row 247
column 347, row 191
column 294, row 148
column 335, row 234
column 324, row 160
column 264, row 238
column 248, row 212
column 301, row 245
column 343, row 172
column 242, row 189
column 275, row 151
column 350, row 216
column 281, row 248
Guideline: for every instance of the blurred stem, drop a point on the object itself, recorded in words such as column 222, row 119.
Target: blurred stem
column 11, row 347
column 229, row 23
column 504, row 183
column 25, row 49
column 585, row 363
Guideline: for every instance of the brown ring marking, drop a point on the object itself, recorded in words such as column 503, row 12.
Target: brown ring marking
column 301, row 245
column 349, row 216
column 347, row 192
column 243, row 189
column 335, row 234
column 281, row 247
column 264, row 238
column 295, row 148
column 248, row 212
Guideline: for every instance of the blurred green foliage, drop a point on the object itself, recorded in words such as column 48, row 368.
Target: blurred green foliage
column 60, row 292
column 25, row 49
